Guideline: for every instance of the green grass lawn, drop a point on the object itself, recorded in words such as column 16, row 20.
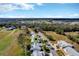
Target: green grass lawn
column 5, row 42
column 8, row 41
column 3, row 34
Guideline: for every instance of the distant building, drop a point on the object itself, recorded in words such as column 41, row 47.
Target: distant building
column 11, row 27
column 68, row 48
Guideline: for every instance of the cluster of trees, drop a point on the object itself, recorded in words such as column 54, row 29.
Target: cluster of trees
column 21, row 40
column 24, row 41
column 9, row 24
column 46, row 49
column 59, row 28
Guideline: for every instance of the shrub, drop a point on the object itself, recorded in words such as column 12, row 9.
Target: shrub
column 50, row 38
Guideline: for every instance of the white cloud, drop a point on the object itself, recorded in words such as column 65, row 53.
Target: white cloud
column 40, row 4
column 5, row 7
column 13, row 16
column 27, row 6
column 16, row 16
column 33, row 16
column 74, row 15
column 20, row 16
column 56, row 16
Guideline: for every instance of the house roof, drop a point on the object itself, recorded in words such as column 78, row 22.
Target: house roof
column 63, row 44
column 71, row 51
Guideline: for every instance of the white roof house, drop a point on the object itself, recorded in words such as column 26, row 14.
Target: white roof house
column 68, row 48
column 63, row 44
column 71, row 51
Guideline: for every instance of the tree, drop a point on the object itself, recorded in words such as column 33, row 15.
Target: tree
column 46, row 49
column 21, row 40
column 59, row 30
column 28, row 47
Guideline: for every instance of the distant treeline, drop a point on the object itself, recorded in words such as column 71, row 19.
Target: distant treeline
column 59, row 28
column 55, row 27
column 4, row 20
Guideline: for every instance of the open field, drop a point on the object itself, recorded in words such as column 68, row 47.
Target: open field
column 9, row 44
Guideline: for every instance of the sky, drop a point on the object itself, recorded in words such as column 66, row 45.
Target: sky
column 39, row 10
